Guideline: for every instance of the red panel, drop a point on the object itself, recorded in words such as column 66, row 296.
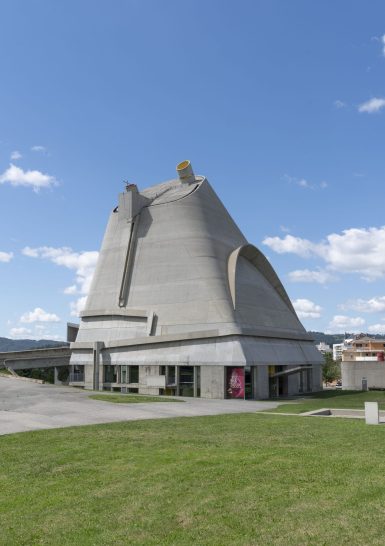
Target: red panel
column 235, row 383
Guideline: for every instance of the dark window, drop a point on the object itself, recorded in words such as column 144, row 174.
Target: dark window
column 171, row 375
column 134, row 374
column 198, row 376
column 109, row 374
column 186, row 381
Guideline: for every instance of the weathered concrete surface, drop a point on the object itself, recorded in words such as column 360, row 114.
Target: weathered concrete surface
column 354, row 371
column 36, row 358
column 29, row 406
column 177, row 283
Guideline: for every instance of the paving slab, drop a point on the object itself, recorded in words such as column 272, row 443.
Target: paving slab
column 28, row 406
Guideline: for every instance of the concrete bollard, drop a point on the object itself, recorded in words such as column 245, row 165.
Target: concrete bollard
column 371, row 413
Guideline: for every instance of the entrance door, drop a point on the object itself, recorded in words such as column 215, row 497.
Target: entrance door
column 235, row 383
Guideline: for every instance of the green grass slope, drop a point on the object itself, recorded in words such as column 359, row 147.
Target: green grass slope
column 224, row 480
column 334, row 399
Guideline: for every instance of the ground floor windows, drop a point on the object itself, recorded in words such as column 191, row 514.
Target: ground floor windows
column 181, row 380
column 133, row 374
column 110, row 374
column 237, row 382
column 186, row 381
column 76, row 374
column 121, row 374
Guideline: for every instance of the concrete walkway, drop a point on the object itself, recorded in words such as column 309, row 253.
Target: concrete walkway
column 30, row 406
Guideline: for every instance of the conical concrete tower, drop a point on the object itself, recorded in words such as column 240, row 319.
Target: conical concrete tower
column 182, row 304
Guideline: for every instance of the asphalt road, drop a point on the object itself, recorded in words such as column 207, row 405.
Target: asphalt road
column 29, row 406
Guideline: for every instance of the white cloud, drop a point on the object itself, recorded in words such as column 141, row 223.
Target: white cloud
column 306, row 308
column 39, row 315
column 339, row 104
column 355, row 250
column 373, row 305
column 16, row 155
column 341, row 323
column 6, row 256
column 284, row 229
column 376, row 328
column 34, row 179
column 31, row 252
column 38, row 148
column 83, row 263
column 73, row 289
column 53, row 337
column 303, row 183
column 290, row 244
column 382, row 39
column 371, row 106
column 78, row 306
column 20, row 332
column 39, row 332
column 319, row 276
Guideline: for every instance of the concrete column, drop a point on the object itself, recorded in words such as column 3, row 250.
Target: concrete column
column 292, row 382
column 195, row 382
column 212, row 381
column 254, row 379
column 317, row 378
column 177, row 375
column 98, row 378
column 262, row 386
column 56, row 376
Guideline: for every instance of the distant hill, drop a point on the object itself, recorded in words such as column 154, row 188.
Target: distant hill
column 329, row 339
column 7, row 345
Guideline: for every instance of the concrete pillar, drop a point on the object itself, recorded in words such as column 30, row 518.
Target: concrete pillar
column 262, row 386
column 213, row 381
column 317, row 378
column 177, row 375
column 56, row 376
column 372, row 416
column 98, row 369
column 292, row 382
column 254, row 380
column 195, row 382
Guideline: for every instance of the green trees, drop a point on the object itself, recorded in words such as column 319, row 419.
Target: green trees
column 331, row 370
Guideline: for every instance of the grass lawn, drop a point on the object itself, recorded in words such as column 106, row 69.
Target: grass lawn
column 131, row 398
column 334, row 399
column 244, row 479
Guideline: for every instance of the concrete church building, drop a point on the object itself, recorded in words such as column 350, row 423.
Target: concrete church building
column 181, row 304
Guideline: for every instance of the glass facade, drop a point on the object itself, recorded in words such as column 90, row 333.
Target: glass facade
column 121, row 374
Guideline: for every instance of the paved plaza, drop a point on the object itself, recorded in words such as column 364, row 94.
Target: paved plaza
column 30, row 406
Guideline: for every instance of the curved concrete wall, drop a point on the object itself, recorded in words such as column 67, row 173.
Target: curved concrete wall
column 162, row 275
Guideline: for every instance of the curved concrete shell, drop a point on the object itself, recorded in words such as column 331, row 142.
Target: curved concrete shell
column 177, row 285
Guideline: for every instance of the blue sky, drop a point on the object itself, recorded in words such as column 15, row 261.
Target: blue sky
column 280, row 104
